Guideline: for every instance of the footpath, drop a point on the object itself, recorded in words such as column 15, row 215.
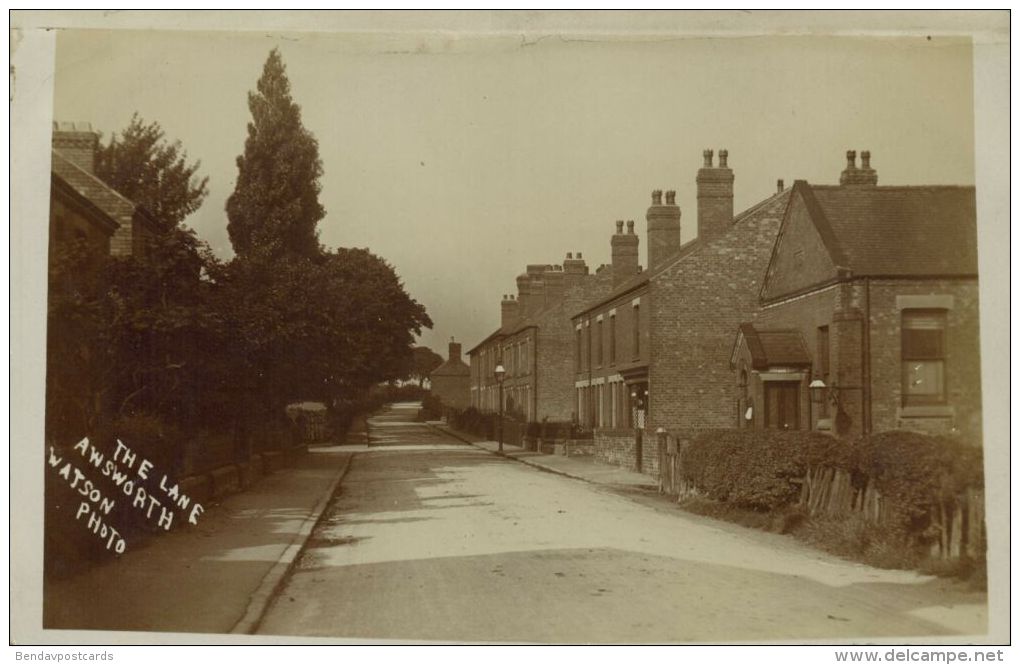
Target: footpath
column 582, row 467
column 215, row 577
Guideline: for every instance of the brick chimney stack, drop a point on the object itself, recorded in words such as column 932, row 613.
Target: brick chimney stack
column 625, row 252
column 663, row 228
column 715, row 196
column 77, row 142
column 536, row 279
column 523, row 295
column 865, row 175
column 575, row 265
column 508, row 310
column 454, row 354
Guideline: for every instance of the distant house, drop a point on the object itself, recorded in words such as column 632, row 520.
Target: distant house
column 871, row 292
column 451, row 381
column 533, row 342
column 86, row 208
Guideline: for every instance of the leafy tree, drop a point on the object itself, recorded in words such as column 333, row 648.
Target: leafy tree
column 144, row 167
column 322, row 328
column 425, row 360
column 275, row 206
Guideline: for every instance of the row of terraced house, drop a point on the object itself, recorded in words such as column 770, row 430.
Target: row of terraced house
column 849, row 308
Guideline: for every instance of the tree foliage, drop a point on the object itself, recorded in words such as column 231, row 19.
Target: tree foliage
column 147, row 169
column 425, row 360
column 275, row 206
column 180, row 337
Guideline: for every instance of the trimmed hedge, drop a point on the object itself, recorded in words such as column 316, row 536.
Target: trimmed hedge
column 762, row 469
column 757, row 469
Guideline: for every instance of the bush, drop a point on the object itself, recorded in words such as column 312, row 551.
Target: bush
column 760, row 470
column 756, row 469
column 431, row 407
column 915, row 471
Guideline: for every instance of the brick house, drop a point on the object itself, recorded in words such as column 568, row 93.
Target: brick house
column 872, row 292
column 85, row 207
column 451, row 381
column 655, row 352
column 534, row 342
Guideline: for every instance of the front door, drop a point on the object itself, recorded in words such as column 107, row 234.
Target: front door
column 782, row 404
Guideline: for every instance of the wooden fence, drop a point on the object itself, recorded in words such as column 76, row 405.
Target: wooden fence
column 959, row 521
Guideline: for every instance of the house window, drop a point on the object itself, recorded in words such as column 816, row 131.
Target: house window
column 577, row 349
column 923, row 349
column 598, row 342
column 612, row 340
column 637, row 331
column 588, row 354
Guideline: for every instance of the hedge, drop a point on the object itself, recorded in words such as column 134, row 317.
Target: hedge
column 762, row 469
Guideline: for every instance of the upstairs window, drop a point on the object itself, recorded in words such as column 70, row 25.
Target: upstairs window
column 637, row 331
column 923, row 351
column 577, row 350
column 598, row 343
column 612, row 339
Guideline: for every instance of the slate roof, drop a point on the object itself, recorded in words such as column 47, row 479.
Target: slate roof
column 514, row 326
column 774, row 348
column 897, row 231
column 115, row 206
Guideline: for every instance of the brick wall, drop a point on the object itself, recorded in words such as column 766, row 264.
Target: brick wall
column 962, row 365
column 696, row 306
column 616, row 447
column 801, row 257
column 843, row 308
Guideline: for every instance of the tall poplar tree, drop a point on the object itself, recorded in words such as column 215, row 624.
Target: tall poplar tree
column 275, row 206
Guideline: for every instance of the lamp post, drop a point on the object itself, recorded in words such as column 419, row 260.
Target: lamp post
column 500, row 372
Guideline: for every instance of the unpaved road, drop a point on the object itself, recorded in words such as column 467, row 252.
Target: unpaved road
column 432, row 540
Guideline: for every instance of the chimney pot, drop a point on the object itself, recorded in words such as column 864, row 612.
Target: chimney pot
column 656, row 197
column 866, row 159
column 579, row 255
column 723, row 156
column 619, row 226
column 779, row 186
column 707, row 154
column 851, row 159
column 671, row 198
column 630, row 227
column 570, row 255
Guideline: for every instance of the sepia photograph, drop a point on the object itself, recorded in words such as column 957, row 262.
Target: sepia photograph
column 482, row 327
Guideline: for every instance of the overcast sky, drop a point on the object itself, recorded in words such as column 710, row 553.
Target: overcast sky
column 461, row 160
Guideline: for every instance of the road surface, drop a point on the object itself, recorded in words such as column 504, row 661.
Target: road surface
column 431, row 539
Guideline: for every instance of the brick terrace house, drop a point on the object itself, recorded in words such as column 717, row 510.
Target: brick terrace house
column 533, row 342
column 656, row 351
column 451, row 381
column 873, row 291
column 85, row 207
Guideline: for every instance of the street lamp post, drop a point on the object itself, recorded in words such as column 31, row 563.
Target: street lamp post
column 500, row 372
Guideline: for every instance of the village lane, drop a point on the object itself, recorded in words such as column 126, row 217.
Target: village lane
column 431, row 539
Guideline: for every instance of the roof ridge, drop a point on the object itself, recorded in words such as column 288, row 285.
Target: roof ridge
column 872, row 188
